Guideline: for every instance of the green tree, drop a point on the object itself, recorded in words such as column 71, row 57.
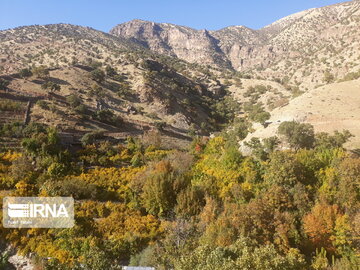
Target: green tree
column 271, row 143
column 41, row 72
column 4, row 84
column 190, row 201
column 348, row 188
column 51, row 86
column 110, row 71
column 283, row 169
column 298, row 135
column 4, row 263
column 25, row 73
column 97, row 91
column 98, row 75
column 90, row 138
column 257, row 148
column 73, row 100
column 326, row 141
column 328, row 77
column 158, row 193
column 107, row 116
column 160, row 125
column 261, row 150
column 257, row 112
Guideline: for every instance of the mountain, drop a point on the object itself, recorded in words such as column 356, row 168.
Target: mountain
column 183, row 42
column 142, row 90
column 302, row 45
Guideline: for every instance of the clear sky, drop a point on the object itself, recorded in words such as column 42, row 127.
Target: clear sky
column 104, row 14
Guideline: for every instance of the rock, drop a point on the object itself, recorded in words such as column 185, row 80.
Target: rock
column 131, row 110
column 21, row 262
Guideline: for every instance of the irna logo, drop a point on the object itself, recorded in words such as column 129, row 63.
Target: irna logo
column 38, row 212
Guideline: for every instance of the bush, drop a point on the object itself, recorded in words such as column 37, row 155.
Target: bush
column 25, row 73
column 110, row 71
column 90, row 138
column 41, row 72
column 34, row 128
column 107, row 116
column 97, row 75
column 4, row 84
column 73, row 100
column 243, row 254
column 328, row 77
column 72, row 187
column 256, row 112
column 351, row 76
column 326, row 141
column 10, row 106
column 51, row 86
column 14, row 130
column 43, row 104
column 81, row 110
column 96, row 91
column 160, row 125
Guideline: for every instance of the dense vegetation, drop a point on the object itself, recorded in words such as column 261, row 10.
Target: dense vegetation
column 206, row 208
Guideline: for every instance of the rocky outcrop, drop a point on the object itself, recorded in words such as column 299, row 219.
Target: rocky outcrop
column 183, row 42
column 19, row 262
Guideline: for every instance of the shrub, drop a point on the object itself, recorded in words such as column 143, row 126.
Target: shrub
column 90, row 138
column 96, row 91
column 3, row 84
column 110, row 71
column 41, row 72
column 73, row 100
column 10, row 106
column 326, row 141
column 51, row 86
column 43, row 104
column 97, row 75
column 351, row 76
column 25, row 73
column 256, row 112
column 160, row 125
column 81, row 109
column 328, row 77
column 12, row 130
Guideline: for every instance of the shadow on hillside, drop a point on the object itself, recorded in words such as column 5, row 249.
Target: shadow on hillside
column 91, row 123
column 58, row 81
column 176, row 135
column 37, row 81
column 86, row 68
column 356, row 151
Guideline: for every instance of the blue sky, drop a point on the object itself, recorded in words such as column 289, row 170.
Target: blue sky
column 104, row 14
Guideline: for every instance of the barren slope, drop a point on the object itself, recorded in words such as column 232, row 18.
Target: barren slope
column 328, row 108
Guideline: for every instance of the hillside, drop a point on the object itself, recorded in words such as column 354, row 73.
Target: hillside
column 328, row 108
column 142, row 90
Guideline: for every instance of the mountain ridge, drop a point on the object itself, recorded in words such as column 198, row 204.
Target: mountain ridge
column 303, row 36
